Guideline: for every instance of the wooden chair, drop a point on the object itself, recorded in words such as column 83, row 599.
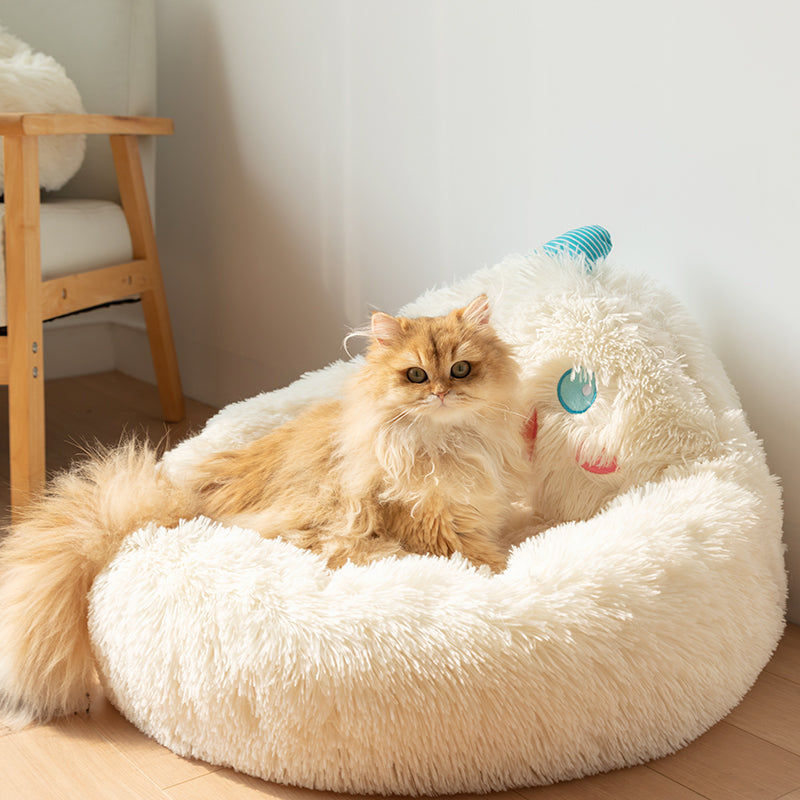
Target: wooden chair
column 33, row 298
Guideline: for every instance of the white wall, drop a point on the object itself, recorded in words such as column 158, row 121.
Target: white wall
column 333, row 155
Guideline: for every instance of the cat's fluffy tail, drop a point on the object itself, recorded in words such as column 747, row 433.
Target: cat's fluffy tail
column 47, row 565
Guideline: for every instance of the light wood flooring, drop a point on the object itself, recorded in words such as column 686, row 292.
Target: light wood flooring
column 754, row 754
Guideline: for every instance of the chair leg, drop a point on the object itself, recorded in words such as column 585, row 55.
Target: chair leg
column 133, row 193
column 23, row 292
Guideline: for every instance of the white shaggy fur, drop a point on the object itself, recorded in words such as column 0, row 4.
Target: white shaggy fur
column 637, row 618
column 36, row 83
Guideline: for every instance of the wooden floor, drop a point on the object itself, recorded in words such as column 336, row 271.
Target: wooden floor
column 754, row 754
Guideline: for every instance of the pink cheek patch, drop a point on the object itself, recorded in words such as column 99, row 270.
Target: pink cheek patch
column 600, row 467
column 529, row 432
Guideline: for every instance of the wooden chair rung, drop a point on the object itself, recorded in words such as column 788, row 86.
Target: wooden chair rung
column 70, row 293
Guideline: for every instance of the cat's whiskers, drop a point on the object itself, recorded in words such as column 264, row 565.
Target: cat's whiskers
column 401, row 415
column 506, row 409
column 397, row 417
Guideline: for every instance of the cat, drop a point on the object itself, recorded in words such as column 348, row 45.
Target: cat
column 423, row 454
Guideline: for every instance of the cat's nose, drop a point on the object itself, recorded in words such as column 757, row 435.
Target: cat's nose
column 442, row 394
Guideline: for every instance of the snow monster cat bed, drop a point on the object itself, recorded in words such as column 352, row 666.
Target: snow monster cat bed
column 633, row 617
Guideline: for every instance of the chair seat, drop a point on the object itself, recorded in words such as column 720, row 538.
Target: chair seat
column 77, row 235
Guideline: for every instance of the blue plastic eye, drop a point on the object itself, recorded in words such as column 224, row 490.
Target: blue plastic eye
column 577, row 391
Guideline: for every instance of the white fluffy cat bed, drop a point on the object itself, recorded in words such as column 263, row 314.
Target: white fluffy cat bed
column 609, row 640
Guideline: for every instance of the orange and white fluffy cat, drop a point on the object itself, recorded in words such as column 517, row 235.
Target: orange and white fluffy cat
column 423, row 454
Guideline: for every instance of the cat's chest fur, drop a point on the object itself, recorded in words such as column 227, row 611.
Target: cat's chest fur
column 443, row 505
column 446, row 486
column 439, row 477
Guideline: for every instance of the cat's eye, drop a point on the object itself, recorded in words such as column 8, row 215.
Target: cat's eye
column 417, row 375
column 460, row 369
column 577, row 391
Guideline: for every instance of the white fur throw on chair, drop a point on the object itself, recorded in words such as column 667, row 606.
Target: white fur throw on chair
column 36, row 83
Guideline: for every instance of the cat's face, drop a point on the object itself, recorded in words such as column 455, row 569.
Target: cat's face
column 440, row 370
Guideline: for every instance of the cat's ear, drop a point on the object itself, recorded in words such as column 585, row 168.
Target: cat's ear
column 477, row 311
column 385, row 328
